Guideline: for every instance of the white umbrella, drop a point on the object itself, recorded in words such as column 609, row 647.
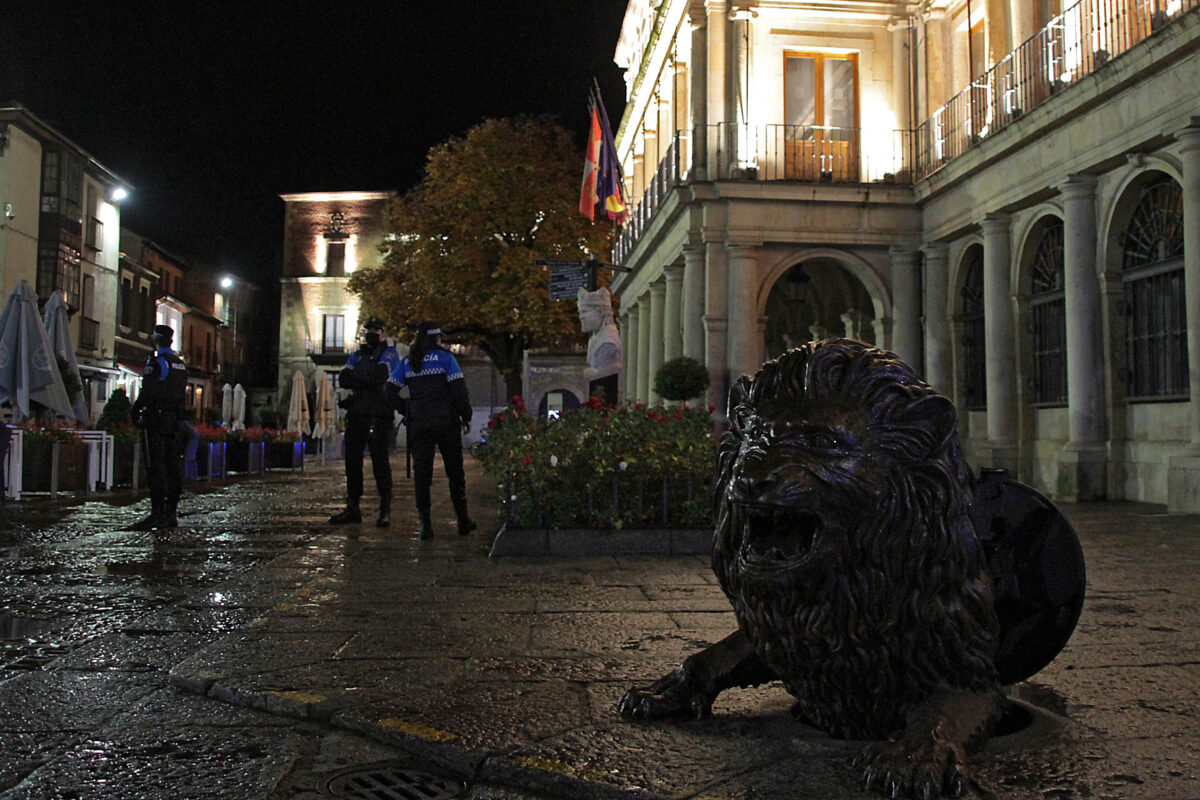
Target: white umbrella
column 239, row 409
column 298, row 406
column 28, row 371
column 227, row 406
column 323, row 410
column 57, row 320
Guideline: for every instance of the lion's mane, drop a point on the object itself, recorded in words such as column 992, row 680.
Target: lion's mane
column 899, row 601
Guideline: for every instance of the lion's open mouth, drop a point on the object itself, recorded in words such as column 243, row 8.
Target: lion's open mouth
column 777, row 536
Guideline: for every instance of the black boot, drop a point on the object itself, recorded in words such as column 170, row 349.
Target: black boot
column 425, row 528
column 149, row 522
column 168, row 518
column 350, row 514
column 385, row 511
column 465, row 523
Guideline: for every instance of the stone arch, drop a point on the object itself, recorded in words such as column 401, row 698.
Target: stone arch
column 819, row 285
column 1124, row 200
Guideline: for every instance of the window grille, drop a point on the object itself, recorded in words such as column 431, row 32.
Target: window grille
column 1048, row 307
column 974, row 354
column 1156, row 361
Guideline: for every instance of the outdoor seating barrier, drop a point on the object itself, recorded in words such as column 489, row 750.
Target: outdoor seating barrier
column 98, row 470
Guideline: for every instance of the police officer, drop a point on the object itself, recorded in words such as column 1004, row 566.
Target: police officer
column 439, row 412
column 159, row 411
column 369, row 415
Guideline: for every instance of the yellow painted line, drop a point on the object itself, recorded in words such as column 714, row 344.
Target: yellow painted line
column 301, row 697
column 418, row 730
column 556, row 767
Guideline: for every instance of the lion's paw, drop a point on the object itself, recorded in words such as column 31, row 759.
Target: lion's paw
column 932, row 770
column 667, row 698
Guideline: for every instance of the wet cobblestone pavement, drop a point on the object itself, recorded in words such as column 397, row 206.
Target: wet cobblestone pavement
column 257, row 651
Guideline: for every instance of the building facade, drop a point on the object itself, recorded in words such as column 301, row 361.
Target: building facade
column 1005, row 194
column 60, row 230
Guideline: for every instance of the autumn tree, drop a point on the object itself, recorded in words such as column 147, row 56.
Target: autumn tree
column 464, row 241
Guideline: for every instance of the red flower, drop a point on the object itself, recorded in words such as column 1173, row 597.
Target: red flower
column 637, row 405
column 527, row 460
column 678, row 415
column 711, row 409
column 595, row 403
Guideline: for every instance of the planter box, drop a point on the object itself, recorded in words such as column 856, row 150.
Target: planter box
column 244, row 457
column 285, row 456
column 594, row 542
column 210, row 459
column 37, row 465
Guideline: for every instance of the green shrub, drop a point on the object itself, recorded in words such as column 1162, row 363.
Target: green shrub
column 603, row 466
column 681, row 379
column 115, row 415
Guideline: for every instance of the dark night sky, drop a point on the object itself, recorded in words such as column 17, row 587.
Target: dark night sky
column 211, row 110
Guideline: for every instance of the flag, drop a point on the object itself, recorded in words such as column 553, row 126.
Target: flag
column 602, row 182
column 591, row 162
column 609, row 183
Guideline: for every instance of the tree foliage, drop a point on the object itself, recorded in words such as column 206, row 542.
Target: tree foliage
column 464, row 242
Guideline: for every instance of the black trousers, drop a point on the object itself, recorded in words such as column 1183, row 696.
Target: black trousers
column 422, row 441
column 164, row 459
column 368, row 433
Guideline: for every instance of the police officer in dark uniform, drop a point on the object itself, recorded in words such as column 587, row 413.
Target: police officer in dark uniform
column 438, row 413
column 369, row 415
column 159, row 411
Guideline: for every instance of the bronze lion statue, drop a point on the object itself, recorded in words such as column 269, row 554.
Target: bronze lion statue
column 844, row 541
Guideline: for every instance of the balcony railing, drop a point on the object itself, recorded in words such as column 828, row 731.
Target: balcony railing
column 1073, row 45
column 773, row 152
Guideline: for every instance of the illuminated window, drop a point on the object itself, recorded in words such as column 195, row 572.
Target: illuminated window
column 1156, row 359
column 335, row 334
column 1048, row 307
column 821, row 114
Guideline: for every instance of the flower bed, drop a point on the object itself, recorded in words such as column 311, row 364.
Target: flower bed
column 38, row 460
column 603, row 466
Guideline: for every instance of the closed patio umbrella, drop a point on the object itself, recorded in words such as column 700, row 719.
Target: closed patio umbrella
column 28, row 371
column 227, row 406
column 57, row 321
column 238, row 421
column 298, row 406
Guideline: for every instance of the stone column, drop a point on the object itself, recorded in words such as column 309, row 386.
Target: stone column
column 698, row 92
column 673, row 312
column 717, row 25
column 906, row 306
column 716, row 323
column 1000, row 344
column 693, row 302
column 643, row 358
column 937, row 62
column 939, row 361
column 1183, row 474
column 658, row 291
column 629, row 350
column 1082, row 472
column 745, row 345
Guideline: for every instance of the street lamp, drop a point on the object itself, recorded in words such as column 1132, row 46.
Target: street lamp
column 226, row 285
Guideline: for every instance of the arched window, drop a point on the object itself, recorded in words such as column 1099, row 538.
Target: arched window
column 1048, row 307
column 974, row 355
column 1156, row 362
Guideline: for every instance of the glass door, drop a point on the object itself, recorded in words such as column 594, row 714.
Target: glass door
column 821, row 114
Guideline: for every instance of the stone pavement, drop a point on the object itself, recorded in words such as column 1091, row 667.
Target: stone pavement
column 506, row 671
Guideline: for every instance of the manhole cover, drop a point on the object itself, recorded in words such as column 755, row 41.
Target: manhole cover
column 391, row 782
